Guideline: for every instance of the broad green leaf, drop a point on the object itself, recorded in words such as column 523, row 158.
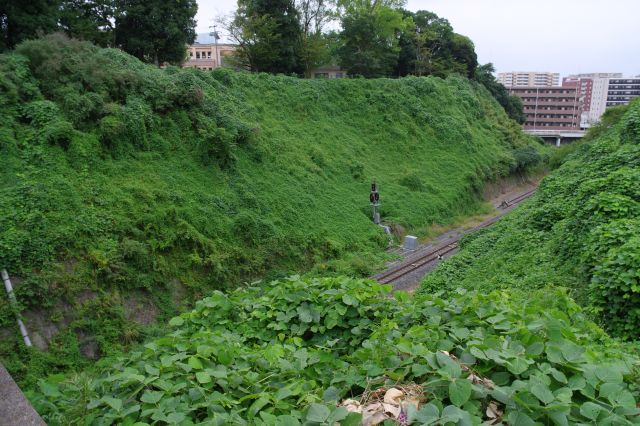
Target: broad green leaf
column 283, row 393
column 304, row 314
column 203, row 377
column 420, row 369
column 337, row 415
column 559, row 375
column 517, row 366
column 317, row 413
column 535, row 348
column 559, row 418
column 577, row 382
column 287, row 420
column 175, row 418
column 49, row 389
column 331, row 394
column 610, row 390
column 348, row 299
column 257, row 405
column 195, row 363
column 459, row 391
column 267, row 418
column 176, row 321
column 114, row 403
column 570, row 351
column 353, row 419
column 451, row 413
column 519, row 418
column 428, row 413
column 609, row 374
column 501, row 378
column 554, row 354
column 542, row 392
column 151, row 370
column 590, row 410
column 625, row 399
column 151, row 397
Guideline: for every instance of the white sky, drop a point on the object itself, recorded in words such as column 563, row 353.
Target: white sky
column 565, row 36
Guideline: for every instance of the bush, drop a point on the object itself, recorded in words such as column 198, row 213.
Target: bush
column 580, row 230
column 289, row 351
column 630, row 127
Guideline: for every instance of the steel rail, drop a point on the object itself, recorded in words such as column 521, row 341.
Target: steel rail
column 437, row 252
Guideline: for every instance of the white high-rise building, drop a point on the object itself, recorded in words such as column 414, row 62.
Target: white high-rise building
column 595, row 97
column 529, row 79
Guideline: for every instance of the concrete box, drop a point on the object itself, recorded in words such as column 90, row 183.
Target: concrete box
column 410, row 242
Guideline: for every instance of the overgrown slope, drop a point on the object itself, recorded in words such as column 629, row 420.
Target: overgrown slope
column 286, row 353
column 126, row 189
column 581, row 230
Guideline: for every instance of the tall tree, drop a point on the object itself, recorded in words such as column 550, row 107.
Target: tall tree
column 314, row 46
column 370, row 34
column 156, row 31
column 511, row 104
column 24, row 19
column 268, row 33
column 431, row 47
column 463, row 54
column 91, row 20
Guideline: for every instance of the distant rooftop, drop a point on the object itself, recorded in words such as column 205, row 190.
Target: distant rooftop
column 206, row 38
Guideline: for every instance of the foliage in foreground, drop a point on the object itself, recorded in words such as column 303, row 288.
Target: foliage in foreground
column 122, row 181
column 285, row 352
column 581, row 230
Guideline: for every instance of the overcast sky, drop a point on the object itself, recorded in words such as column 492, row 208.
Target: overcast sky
column 565, row 36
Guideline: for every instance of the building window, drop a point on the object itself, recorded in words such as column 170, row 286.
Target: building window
column 208, row 55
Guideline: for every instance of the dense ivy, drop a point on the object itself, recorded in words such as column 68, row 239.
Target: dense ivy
column 125, row 181
column 580, row 230
column 286, row 352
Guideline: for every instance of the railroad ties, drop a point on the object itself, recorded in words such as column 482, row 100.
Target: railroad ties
column 433, row 255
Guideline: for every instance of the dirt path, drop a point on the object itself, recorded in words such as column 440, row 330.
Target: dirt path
column 410, row 281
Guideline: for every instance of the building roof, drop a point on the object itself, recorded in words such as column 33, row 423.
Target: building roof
column 329, row 67
column 207, row 38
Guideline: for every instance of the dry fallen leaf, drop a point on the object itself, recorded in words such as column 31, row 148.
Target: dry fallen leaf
column 494, row 413
column 393, row 396
column 373, row 419
column 392, row 409
column 352, row 405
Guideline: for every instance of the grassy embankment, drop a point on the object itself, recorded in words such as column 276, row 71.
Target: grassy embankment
column 580, row 231
column 127, row 191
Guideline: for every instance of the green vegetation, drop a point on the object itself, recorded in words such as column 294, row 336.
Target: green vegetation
column 124, row 183
column 579, row 231
column 286, row 352
column 155, row 31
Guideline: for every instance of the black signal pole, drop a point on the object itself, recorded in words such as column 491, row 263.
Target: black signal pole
column 374, row 198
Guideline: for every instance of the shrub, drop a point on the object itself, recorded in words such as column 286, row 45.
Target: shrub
column 615, row 288
column 630, row 127
column 288, row 351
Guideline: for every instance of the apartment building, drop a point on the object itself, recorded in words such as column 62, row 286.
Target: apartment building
column 528, row 79
column 208, row 56
column 550, row 108
column 594, row 89
column 585, row 93
column 328, row 71
column 621, row 90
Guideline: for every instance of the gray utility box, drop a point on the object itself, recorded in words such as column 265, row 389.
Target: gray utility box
column 410, row 242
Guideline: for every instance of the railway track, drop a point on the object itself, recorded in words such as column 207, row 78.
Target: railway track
column 436, row 253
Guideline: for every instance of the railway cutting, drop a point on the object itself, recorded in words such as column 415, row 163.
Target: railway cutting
column 407, row 273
